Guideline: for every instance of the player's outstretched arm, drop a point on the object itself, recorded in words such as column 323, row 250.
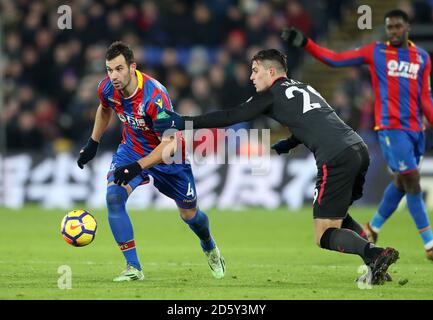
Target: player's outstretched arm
column 253, row 107
column 296, row 38
column 164, row 150
column 88, row 152
column 167, row 147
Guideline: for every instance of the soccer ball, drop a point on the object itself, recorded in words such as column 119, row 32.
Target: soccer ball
column 78, row 228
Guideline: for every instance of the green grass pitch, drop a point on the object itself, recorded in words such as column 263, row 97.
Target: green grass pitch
column 270, row 254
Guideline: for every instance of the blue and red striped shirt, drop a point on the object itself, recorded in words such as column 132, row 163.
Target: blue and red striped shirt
column 138, row 112
column 400, row 78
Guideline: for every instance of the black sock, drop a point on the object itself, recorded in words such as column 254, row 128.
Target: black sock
column 347, row 241
column 349, row 223
column 371, row 252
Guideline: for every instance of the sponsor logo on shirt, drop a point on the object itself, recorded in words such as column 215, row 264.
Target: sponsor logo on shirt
column 159, row 103
column 134, row 122
column 403, row 69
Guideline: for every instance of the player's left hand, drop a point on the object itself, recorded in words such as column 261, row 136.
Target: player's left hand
column 285, row 145
column 124, row 174
column 168, row 120
column 294, row 37
column 282, row 146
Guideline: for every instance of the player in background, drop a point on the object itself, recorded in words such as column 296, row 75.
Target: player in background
column 400, row 73
column 341, row 155
column 138, row 99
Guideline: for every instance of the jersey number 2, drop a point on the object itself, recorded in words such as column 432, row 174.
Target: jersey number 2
column 306, row 97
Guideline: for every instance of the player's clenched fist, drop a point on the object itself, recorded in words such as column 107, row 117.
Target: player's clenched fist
column 88, row 152
column 123, row 175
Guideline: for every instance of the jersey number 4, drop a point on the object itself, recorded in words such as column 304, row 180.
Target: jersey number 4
column 190, row 191
column 306, row 97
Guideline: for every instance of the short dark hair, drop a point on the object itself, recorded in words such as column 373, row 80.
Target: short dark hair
column 271, row 55
column 397, row 13
column 120, row 48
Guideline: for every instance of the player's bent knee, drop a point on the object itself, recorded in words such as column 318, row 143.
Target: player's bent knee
column 116, row 196
column 322, row 226
column 324, row 241
column 187, row 214
column 113, row 199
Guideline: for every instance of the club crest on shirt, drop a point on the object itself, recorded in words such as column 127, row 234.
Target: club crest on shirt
column 419, row 58
column 141, row 109
column 402, row 166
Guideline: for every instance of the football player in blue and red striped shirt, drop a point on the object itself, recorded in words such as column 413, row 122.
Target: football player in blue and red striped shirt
column 400, row 73
column 138, row 99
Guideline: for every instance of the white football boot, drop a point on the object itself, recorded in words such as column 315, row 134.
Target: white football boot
column 216, row 263
column 129, row 274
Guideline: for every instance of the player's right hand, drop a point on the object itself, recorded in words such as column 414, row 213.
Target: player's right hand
column 88, row 152
column 294, row 37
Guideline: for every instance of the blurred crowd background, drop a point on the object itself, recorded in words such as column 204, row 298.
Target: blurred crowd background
column 199, row 50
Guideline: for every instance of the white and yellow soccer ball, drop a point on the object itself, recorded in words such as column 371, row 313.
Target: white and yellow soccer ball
column 78, row 228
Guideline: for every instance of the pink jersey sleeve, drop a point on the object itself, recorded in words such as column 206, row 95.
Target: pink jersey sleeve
column 362, row 55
